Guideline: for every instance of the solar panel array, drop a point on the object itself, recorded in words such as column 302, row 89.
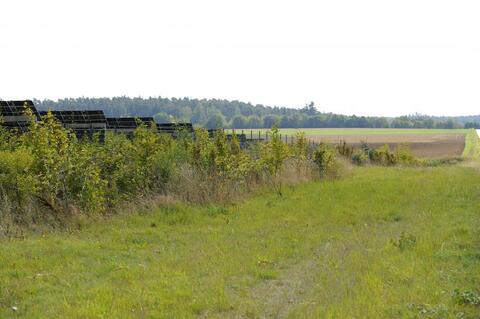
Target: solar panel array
column 86, row 124
column 176, row 129
column 13, row 114
column 127, row 125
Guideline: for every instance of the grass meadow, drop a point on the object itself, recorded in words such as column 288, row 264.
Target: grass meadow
column 472, row 145
column 378, row 243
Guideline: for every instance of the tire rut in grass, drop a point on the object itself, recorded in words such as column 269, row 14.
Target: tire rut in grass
column 278, row 297
column 325, row 272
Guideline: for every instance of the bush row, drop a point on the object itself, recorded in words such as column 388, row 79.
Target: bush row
column 47, row 171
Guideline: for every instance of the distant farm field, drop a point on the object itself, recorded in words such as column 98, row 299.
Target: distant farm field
column 428, row 143
column 361, row 131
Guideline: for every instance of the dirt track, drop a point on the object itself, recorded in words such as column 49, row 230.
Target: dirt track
column 435, row 145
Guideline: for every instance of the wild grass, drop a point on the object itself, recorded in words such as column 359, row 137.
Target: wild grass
column 382, row 243
column 472, row 145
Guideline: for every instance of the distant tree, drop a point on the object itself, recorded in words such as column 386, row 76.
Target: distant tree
column 352, row 121
column 336, row 120
column 201, row 111
column 380, row 122
column 254, row 122
column 429, row 123
column 450, row 124
column 475, row 125
column 215, row 121
column 295, row 121
column 401, row 122
column 309, row 109
column 315, row 121
column 199, row 115
column 362, row 122
column 239, row 121
column 163, row 118
column 284, row 122
column 270, row 120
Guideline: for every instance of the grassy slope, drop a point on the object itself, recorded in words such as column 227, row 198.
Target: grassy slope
column 323, row 250
column 472, row 145
column 362, row 131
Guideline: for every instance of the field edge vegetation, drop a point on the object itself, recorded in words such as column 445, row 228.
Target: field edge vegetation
column 472, row 145
column 48, row 176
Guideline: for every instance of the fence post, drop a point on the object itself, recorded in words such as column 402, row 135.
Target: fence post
column 251, row 134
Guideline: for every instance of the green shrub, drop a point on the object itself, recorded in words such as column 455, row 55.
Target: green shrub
column 345, row 150
column 383, row 156
column 114, row 158
column 83, row 183
column 401, row 155
column 405, row 156
column 17, row 181
column 274, row 154
column 325, row 159
column 50, row 145
column 300, row 153
column 359, row 157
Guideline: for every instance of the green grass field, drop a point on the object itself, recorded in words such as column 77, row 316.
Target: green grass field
column 381, row 243
column 472, row 145
column 361, row 131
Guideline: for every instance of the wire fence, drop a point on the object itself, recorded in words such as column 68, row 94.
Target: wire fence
column 264, row 136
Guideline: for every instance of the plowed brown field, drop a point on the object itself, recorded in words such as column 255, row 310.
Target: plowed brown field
column 432, row 146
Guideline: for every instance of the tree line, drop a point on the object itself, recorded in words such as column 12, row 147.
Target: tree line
column 216, row 113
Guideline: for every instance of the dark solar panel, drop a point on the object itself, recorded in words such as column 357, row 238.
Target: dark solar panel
column 83, row 123
column 128, row 122
column 127, row 125
column 12, row 110
column 121, row 123
column 78, row 117
column 175, row 127
column 146, row 120
column 13, row 116
column 178, row 126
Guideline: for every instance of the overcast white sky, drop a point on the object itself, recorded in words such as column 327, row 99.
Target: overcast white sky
column 353, row 57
